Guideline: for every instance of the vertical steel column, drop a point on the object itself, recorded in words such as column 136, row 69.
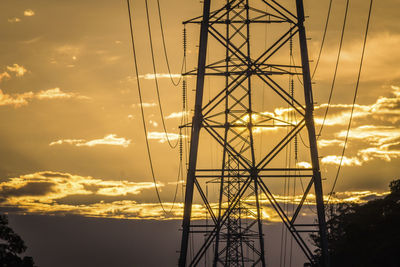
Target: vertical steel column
column 224, row 155
column 254, row 175
column 309, row 117
column 194, row 140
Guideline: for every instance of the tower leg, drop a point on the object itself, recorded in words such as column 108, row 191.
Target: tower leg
column 311, row 133
column 194, row 140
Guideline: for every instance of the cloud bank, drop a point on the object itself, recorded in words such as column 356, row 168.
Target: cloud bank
column 110, row 139
column 57, row 193
column 18, row 100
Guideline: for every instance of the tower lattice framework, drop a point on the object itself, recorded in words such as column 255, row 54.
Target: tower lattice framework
column 249, row 168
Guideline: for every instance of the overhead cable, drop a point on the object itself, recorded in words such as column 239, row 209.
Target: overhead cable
column 142, row 110
column 165, row 50
column 336, row 68
column 323, row 38
column 354, row 101
column 156, row 80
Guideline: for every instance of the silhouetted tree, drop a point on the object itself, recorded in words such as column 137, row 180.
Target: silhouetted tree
column 11, row 245
column 365, row 234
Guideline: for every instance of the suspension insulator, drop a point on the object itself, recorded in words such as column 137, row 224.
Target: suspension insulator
column 184, row 89
column 180, row 146
column 295, row 138
column 184, row 42
column 292, row 87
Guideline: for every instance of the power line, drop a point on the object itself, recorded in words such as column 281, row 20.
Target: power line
column 323, row 38
column 165, row 49
column 354, row 100
column 141, row 107
column 156, row 80
column 180, row 172
column 336, row 68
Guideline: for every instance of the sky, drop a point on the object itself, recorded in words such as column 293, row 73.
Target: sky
column 71, row 135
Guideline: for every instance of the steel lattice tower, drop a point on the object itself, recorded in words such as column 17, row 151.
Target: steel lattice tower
column 235, row 236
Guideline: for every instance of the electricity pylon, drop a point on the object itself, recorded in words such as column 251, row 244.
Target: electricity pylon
column 246, row 178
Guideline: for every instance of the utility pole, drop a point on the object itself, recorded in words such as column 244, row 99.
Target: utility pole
column 255, row 145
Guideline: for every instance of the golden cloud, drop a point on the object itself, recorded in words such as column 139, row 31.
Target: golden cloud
column 56, row 93
column 4, row 75
column 110, row 139
column 145, row 105
column 304, row 164
column 376, row 135
column 45, row 193
column 17, row 69
column 14, row 20
column 29, row 13
column 177, row 115
column 152, row 76
column 381, row 152
column 378, row 141
column 385, row 108
column 330, row 142
column 162, row 137
column 41, row 192
column 336, row 160
column 18, row 100
column 381, row 142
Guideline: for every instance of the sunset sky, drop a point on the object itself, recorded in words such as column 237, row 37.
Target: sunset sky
column 71, row 135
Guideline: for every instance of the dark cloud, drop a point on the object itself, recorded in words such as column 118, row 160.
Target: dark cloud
column 29, row 189
column 11, row 210
column 88, row 199
column 93, row 187
column 395, row 146
column 370, row 197
column 55, row 174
